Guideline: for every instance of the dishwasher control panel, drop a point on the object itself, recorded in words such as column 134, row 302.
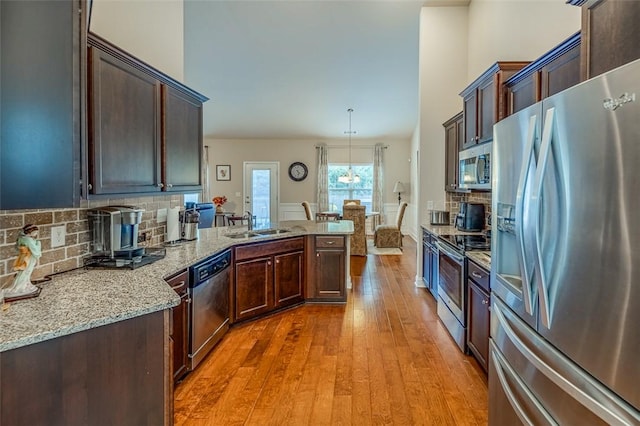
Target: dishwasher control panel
column 210, row 267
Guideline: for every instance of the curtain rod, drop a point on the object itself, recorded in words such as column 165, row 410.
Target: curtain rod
column 352, row 146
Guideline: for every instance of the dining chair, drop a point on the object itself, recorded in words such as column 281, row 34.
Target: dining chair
column 307, row 210
column 358, row 238
column 390, row 236
column 356, row 202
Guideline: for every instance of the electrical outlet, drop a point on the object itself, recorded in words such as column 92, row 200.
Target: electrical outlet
column 58, row 234
column 430, row 205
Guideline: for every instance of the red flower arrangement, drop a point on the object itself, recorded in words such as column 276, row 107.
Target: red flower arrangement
column 219, row 201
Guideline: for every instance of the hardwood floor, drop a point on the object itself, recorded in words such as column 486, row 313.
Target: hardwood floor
column 383, row 358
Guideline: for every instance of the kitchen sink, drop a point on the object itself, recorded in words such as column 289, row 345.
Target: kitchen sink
column 271, row 231
column 245, row 234
column 258, row 233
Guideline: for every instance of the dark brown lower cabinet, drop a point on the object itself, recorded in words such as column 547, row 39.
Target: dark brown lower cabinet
column 117, row 374
column 479, row 303
column 328, row 259
column 180, row 329
column 268, row 276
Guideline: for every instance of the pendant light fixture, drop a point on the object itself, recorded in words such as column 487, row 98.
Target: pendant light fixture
column 349, row 177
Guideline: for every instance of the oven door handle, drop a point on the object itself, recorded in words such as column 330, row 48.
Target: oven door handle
column 453, row 255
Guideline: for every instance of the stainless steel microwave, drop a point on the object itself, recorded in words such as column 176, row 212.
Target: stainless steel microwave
column 475, row 167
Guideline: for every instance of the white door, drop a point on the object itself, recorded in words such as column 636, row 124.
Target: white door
column 261, row 191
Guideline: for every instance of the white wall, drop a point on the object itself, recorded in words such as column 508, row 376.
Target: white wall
column 516, row 30
column 443, row 71
column 150, row 30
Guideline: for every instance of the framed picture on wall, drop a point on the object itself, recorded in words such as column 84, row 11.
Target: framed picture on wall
column 223, row 172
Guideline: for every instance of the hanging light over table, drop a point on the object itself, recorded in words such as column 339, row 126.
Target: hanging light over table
column 349, row 177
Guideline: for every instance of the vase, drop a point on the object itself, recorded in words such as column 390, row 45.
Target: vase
column 219, row 209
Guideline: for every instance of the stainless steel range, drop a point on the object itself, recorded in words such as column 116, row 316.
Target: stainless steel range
column 452, row 290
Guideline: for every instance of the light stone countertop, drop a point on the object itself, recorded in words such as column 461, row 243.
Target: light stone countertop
column 82, row 299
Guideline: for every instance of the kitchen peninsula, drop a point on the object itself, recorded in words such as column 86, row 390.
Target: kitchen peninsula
column 96, row 343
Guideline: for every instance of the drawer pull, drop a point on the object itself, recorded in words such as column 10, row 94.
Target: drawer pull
column 476, row 275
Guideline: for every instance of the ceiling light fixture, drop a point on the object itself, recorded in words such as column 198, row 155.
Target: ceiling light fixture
column 349, row 177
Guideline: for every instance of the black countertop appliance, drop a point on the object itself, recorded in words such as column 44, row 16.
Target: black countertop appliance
column 471, row 217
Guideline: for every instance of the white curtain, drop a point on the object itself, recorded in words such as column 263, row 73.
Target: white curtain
column 377, row 202
column 323, row 178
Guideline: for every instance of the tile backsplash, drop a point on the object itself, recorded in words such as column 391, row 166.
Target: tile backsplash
column 454, row 199
column 77, row 239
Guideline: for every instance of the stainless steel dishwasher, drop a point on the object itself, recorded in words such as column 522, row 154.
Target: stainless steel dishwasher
column 209, row 315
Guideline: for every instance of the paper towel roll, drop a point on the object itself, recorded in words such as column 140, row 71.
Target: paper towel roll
column 173, row 224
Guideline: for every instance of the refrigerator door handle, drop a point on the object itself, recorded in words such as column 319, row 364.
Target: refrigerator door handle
column 536, row 197
column 591, row 394
column 526, row 273
column 502, row 369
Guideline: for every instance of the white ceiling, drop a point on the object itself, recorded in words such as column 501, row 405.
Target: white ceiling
column 290, row 69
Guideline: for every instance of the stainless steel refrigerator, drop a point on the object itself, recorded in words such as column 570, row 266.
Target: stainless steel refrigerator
column 565, row 310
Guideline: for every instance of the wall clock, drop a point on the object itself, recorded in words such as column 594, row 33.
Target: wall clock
column 298, row 171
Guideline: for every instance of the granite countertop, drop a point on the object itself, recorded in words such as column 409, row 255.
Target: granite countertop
column 482, row 258
column 82, row 299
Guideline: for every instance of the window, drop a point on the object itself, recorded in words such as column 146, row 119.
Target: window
column 338, row 191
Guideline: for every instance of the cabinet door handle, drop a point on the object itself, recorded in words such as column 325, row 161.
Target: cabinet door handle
column 169, row 185
column 160, row 185
column 476, row 275
column 277, row 260
column 485, row 302
column 268, row 262
column 89, row 186
column 317, row 254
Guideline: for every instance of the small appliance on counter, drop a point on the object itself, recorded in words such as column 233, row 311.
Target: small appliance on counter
column 438, row 217
column 189, row 220
column 114, row 238
column 471, row 217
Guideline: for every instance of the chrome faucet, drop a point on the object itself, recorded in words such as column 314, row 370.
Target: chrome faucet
column 249, row 217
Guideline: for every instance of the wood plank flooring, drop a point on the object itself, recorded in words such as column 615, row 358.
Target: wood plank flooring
column 383, row 358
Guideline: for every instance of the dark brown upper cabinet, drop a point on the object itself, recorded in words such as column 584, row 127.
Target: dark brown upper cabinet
column 145, row 129
column 453, row 131
column 484, row 102
column 42, row 59
column 609, row 35
column 553, row 72
column 182, row 136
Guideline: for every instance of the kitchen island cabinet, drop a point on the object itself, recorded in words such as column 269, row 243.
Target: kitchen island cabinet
column 145, row 129
column 268, row 276
column 329, row 261
column 114, row 374
column 41, row 102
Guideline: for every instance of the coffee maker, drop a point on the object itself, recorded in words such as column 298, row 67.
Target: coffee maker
column 471, row 217
column 114, row 232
